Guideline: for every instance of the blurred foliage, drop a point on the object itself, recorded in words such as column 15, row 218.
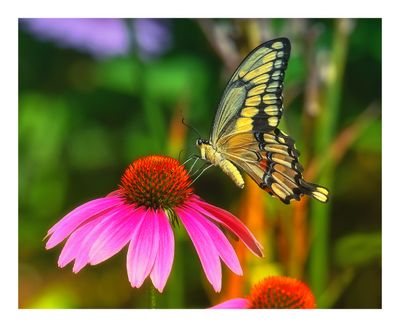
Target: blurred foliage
column 357, row 249
column 83, row 119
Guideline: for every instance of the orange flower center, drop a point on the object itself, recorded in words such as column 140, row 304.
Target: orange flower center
column 155, row 182
column 281, row 293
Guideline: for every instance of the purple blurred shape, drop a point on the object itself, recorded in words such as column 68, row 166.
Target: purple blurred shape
column 103, row 37
column 98, row 37
column 152, row 36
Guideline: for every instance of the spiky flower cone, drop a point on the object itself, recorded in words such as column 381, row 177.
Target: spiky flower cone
column 281, row 293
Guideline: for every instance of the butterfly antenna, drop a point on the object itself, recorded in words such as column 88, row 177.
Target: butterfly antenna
column 191, row 127
column 201, row 173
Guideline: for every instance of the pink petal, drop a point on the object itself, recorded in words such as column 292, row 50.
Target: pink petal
column 165, row 255
column 113, row 193
column 205, row 248
column 143, row 249
column 74, row 242
column 238, row 303
column 82, row 257
column 224, row 248
column 79, row 216
column 115, row 236
column 229, row 221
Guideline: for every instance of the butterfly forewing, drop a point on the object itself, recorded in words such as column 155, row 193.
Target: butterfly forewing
column 252, row 101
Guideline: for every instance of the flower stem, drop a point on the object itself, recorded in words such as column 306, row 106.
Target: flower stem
column 152, row 297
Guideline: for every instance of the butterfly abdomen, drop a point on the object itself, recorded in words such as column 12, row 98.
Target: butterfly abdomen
column 230, row 169
column 208, row 152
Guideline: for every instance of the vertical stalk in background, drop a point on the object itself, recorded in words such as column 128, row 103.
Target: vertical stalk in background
column 325, row 133
column 177, row 132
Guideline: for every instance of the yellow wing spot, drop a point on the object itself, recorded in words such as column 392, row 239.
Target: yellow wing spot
column 279, row 190
column 272, row 87
column 253, row 101
column 282, row 159
column 280, row 54
column 278, row 64
column 319, row 196
column 258, row 71
column 276, row 75
column 283, row 133
column 284, row 182
column 271, row 110
column 261, row 79
column 277, row 45
column 282, row 140
column 276, row 148
column 243, row 125
column 269, row 139
column 322, row 190
column 256, row 90
column 269, row 98
column 249, row 112
column 270, row 57
column 273, row 121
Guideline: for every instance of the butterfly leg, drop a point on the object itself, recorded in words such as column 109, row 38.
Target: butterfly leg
column 208, row 165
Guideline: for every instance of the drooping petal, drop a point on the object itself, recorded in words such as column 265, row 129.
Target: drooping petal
column 82, row 257
column 229, row 221
column 115, row 236
column 143, row 249
column 165, row 255
column 238, row 303
column 74, row 242
column 224, row 248
column 77, row 217
column 205, row 248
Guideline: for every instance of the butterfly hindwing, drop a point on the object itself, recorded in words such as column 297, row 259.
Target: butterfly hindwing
column 252, row 101
column 271, row 159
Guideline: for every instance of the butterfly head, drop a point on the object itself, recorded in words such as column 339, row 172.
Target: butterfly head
column 200, row 142
column 203, row 145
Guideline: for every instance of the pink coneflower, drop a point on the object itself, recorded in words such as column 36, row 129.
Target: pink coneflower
column 154, row 193
column 275, row 292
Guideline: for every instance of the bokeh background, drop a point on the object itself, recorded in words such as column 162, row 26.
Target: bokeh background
column 95, row 94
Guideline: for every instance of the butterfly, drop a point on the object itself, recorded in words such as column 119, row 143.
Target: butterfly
column 245, row 131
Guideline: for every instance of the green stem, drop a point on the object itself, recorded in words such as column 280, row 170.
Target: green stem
column 325, row 132
column 153, row 297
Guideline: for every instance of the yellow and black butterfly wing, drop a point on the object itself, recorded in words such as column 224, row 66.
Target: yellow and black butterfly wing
column 252, row 100
column 271, row 160
column 245, row 127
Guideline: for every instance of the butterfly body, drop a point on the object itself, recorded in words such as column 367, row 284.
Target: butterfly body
column 245, row 132
column 211, row 154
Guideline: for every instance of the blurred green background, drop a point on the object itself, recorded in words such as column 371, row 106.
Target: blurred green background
column 95, row 95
